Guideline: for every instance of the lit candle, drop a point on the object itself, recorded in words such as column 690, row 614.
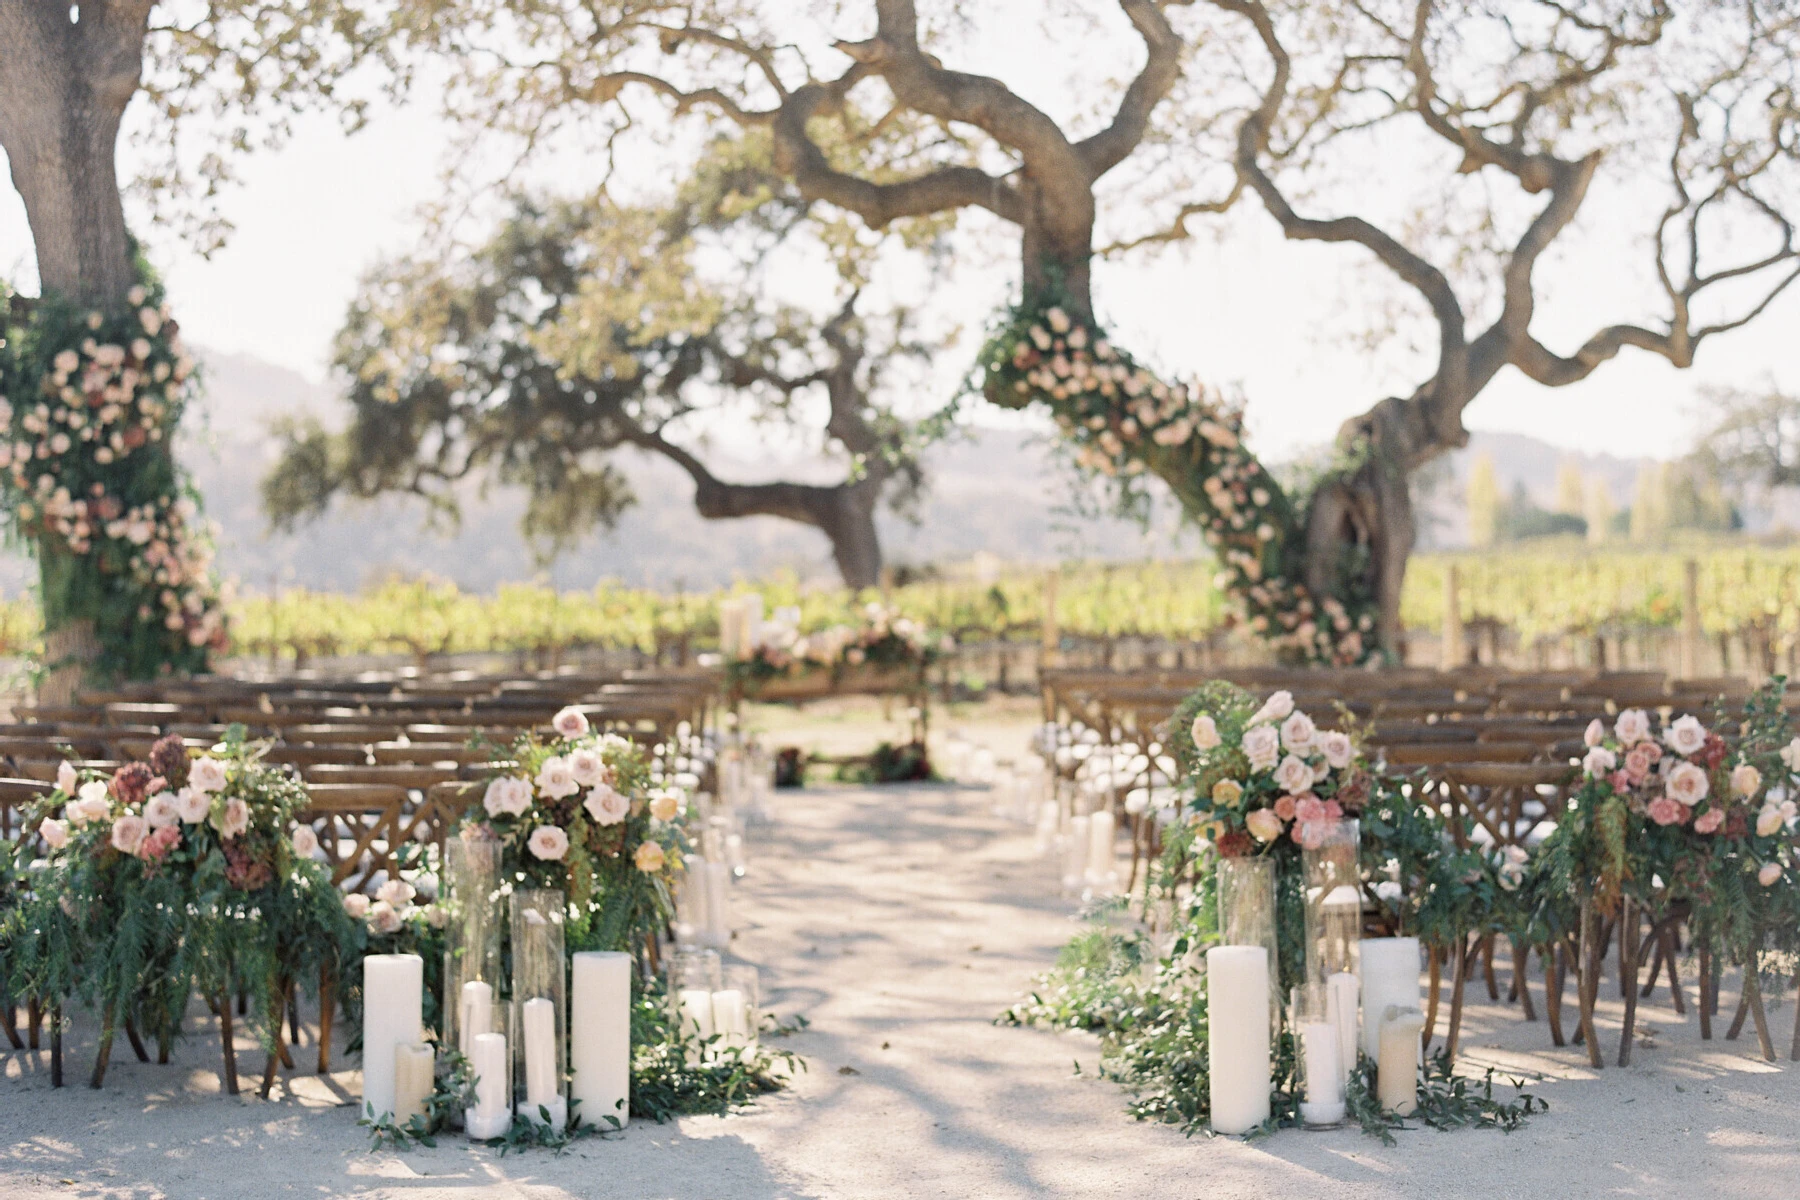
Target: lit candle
column 1324, row 1102
column 697, row 1012
column 1390, row 975
column 542, row 1088
column 415, row 1074
column 476, row 1015
column 393, row 996
column 1101, row 864
column 492, row 1115
column 1237, row 1002
column 600, row 1035
column 1397, row 1070
column 1340, row 1008
column 731, row 1017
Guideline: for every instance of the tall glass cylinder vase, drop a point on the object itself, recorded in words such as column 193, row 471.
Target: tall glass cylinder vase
column 539, row 1004
column 471, row 898
column 1246, row 887
column 1333, row 895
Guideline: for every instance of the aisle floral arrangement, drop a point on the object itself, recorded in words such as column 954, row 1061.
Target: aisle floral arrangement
column 176, row 875
column 885, row 639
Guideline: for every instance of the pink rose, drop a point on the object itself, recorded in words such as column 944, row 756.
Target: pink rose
column 55, row 833
column 383, row 918
column 1769, row 875
column 306, row 842
column 1687, row 783
column 1665, row 811
column 606, row 806
column 1709, row 821
column 1298, row 733
column 1637, row 763
column 1632, row 727
column 1264, row 825
column 548, row 842
column 128, row 834
column 1293, row 776
column 1620, row 781
column 1333, row 811
column 1337, row 748
column 555, row 779
column 570, row 723
column 1310, row 834
column 507, row 796
column 1285, row 808
column 1308, row 809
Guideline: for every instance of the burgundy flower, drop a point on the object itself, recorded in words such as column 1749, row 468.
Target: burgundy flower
column 1712, row 753
column 131, row 784
column 1236, row 844
column 1737, row 825
column 169, row 758
column 243, row 870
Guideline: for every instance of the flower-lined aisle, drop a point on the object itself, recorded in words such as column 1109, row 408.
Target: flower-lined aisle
column 196, row 874
column 1690, row 829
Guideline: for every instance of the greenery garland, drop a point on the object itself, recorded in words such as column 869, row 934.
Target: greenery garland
column 1124, row 421
column 89, row 404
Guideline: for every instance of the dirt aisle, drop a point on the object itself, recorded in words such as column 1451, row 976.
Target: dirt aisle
column 899, row 921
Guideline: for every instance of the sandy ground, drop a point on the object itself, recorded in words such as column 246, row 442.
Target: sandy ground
column 900, row 921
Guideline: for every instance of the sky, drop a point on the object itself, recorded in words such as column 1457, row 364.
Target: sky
column 1239, row 306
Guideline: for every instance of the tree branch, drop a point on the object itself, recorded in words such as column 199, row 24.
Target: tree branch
column 1112, row 145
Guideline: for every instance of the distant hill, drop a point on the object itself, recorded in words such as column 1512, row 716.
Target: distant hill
column 993, row 490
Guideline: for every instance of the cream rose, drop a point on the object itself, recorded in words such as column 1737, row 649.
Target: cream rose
column 67, row 780
column 162, row 809
column 206, row 775
column 1205, row 732
column 507, row 796
column 548, row 842
column 1687, row 783
column 555, row 780
column 1275, row 708
column 1594, row 734
column 1598, row 761
column 383, row 918
column 357, row 905
column 1770, row 820
column 1293, row 776
column 588, row 768
column 570, row 723
column 606, row 806
column 1337, row 748
column 1746, row 780
column 1264, row 825
column 54, row 832
column 233, row 819
column 306, row 842
column 1790, row 755
column 1298, row 733
column 1632, row 727
column 193, row 805
column 1686, row 736
column 396, row 892
column 1769, row 875
column 1262, row 746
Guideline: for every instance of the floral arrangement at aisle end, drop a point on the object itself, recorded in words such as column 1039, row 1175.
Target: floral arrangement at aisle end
column 884, row 639
column 1682, row 815
column 1124, row 422
column 89, row 403
column 170, row 876
column 578, row 812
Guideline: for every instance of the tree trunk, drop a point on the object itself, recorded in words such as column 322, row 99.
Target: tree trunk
column 855, row 545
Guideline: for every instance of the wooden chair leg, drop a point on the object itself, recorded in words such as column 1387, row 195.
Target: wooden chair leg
column 1521, row 986
column 1552, row 957
column 1671, row 952
column 1592, row 949
column 56, row 1054
column 1628, row 971
column 1706, row 996
column 1753, row 992
column 1461, row 978
column 137, row 1043
column 1743, row 1010
column 227, row 1044
column 327, row 1006
column 1487, row 966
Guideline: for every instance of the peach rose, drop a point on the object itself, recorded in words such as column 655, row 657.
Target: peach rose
column 1769, row 875
column 1709, row 821
column 649, row 858
column 1687, row 783
column 1746, row 780
column 55, row 833
column 1264, row 825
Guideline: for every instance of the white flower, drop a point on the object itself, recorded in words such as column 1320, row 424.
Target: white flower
column 55, row 833
column 162, row 809
column 1599, row 761
column 193, row 805
column 396, row 892
column 1790, row 755
column 128, row 834
column 306, row 842
column 588, row 768
column 383, row 918
column 555, row 780
column 1746, row 780
column 1206, row 733
column 570, row 723
column 356, row 904
column 1595, row 733
column 1298, row 733
column 606, row 806
column 67, row 781
column 1337, row 748
column 548, row 842
column 437, row 916
column 1275, row 708
column 1686, row 783
column 1632, row 727
column 508, row 796
column 1686, row 736
column 233, row 819
column 206, row 775
column 1262, row 745
column 1293, row 775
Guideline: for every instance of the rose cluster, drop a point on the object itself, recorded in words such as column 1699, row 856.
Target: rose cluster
column 583, row 795
column 1274, row 773
column 1123, row 420
column 885, row 638
column 68, row 454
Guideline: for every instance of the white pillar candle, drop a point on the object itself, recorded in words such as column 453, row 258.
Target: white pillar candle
column 492, row 1115
column 1324, row 1101
column 1340, row 1007
column 393, row 996
column 415, row 1074
column 697, row 1011
column 731, row 1017
column 751, row 627
column 1101, row 863
column 542, row 1088
column 1390, row 976
column 1237, row 1003
column 693, row 899
column 1075, row 853
column 476, row 1015
column 600, row 1035
column 1397, row 1069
